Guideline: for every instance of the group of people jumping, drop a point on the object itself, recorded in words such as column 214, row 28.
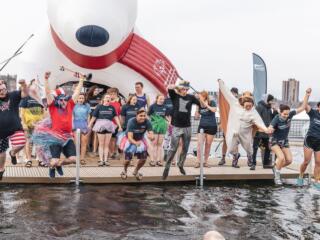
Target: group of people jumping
column 137, row 128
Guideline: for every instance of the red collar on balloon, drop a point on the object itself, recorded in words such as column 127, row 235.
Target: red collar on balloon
column 92, row 62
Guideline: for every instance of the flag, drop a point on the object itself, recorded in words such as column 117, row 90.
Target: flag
column 259, row 78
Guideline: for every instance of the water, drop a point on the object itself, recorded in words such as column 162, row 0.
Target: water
column 170, row 212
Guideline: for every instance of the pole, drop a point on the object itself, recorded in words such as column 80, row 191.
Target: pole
column 201, row 156
column 78, row 158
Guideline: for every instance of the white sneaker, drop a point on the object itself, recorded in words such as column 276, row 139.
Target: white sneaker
column 277, row 177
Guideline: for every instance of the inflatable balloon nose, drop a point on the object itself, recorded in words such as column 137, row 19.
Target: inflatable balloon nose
column 92, row 36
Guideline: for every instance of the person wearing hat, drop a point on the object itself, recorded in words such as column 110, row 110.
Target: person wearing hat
column 261, row 139
column 181, row 121
column 242, row 117
column 10, row 123
column 57, row 135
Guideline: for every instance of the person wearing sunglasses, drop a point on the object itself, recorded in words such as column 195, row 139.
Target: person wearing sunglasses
column 10, row 123
column 56, row 135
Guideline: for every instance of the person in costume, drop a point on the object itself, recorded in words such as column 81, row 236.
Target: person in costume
column 158, row 113
column 280, row 127
column 102, row 124
column 54, row 136
column 312, row 146
column 10, row 123
column 235, row 93
column 206, row 113
column 135, row 143
column 242, row 117
column 261, row 139
column 181, row 121
column 31, row 112
column 81, row 118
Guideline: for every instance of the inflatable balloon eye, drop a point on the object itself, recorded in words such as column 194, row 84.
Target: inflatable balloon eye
column 76, row 74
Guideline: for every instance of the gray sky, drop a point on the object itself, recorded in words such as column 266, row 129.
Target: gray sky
column 209, row 39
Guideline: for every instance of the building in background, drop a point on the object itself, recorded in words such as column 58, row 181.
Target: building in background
column 290, row 91
column 11, row 81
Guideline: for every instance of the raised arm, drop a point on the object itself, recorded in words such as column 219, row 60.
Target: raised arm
column 47, row 88
column 23, row 88
column 227, row 93
column 305, row 105
column 77, row 91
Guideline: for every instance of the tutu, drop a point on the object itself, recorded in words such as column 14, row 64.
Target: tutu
column 80, row 124
column 43, row 137
column 125, row 145
column 159, row 124
column 102, row 125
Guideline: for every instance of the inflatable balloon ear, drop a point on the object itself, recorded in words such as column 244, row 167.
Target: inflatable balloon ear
column 76, row 74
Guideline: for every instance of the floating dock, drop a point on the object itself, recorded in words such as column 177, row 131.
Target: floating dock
column 91, row 174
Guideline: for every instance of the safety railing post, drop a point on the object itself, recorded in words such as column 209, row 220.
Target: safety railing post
column 78, row 137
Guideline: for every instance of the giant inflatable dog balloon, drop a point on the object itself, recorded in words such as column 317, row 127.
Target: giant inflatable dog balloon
column 98, row 37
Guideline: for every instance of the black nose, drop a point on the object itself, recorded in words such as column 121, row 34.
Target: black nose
column 92, row 36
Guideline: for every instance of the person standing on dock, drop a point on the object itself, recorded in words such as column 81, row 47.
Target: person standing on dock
column 312, row 146
column 159, row 117
column 134, row 143
column 261, row 139
column 181, row 121
column 242, row 118
column 143, row 98
column 280, row 127
column 10, row 123
column 208, row 122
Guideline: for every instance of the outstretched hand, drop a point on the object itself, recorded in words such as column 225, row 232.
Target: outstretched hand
column 308, row 91
column 47, row 75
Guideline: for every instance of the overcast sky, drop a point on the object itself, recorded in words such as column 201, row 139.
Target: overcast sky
column 209, row 39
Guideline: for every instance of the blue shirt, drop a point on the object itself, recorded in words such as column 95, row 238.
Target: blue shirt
column 208, row 118
column 104, row 112
column 128, row 112
column 169, row 105
column 160, row 110
column 138, row 129
column 314, row 128
column 81, row 111
column 142, row 101
column 281, row 126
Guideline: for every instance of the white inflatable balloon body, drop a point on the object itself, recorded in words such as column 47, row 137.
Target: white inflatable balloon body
column 98, row 37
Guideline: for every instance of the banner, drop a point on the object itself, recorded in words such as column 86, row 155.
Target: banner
column 259, row 78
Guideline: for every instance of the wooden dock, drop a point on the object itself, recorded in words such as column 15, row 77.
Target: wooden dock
column 91, row 174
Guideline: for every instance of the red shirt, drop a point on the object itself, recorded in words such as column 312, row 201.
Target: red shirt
column 117, row 107
column 62, row 118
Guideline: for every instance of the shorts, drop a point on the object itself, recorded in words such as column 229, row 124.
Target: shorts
column 280, row 143
column 312, row 143
column 209, row 130
column 104, row 132
column 18, row 139
column 69, row 150
column 141, row 156
column 114, row 135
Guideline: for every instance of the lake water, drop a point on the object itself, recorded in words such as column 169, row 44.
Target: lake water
column 149, row 212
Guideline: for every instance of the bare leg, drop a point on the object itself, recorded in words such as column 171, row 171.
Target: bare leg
column 317, row 167
column 126, row 165
column 280, row 162
column 28, row 149
column 84, row 142
column 307, row 158
column 95, row 142
column 139, row 166
column 106, row 146
column 160, row 149
column 2, row 161
column 101, row 138
column 209, row 140
column 288, row 156
column 199, row 149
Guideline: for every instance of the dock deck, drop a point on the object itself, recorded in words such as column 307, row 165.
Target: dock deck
column 91, row 174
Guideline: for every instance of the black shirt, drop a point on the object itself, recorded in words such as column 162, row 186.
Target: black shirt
column 160, row 110
column 169, row 105
column 281, row 126
column 182, row 106
column 208, row 118
column 94, row 101
column 128, row 112
column 138, row 129
column 314, row 128
column 104, row 112
column 10, row 121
